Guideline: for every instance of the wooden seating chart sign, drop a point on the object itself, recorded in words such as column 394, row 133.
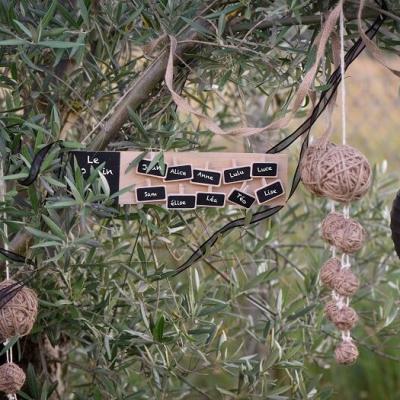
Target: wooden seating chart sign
column 191, row 179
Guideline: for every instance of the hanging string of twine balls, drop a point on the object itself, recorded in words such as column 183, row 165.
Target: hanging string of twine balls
column 345, row 283
column 345, row 318
column 330, row 309
column 346, row 352
column 12, row 378
column 18, row 315
column 338, row 172
column 333, row 222
column 350, row 238
column 329, row 270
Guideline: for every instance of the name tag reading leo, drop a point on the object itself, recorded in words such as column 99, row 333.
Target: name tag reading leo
column 181, row 202
column 150, row 194
column 155, row 171
column 210, row 199
column 269, row 192
column 237, row 174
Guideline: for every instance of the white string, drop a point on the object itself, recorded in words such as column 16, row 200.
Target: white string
column 342, row 69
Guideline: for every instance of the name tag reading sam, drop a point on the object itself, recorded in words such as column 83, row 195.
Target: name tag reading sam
column 237, row 174
column 265, row 169
column 270, row 192
column 181, row 202
column 206, row 177
column 151, row 193
column 204, row 199
column 179, row 173
column 241, row 199
column 155, row 171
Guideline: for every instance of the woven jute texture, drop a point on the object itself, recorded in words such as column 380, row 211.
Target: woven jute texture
column 19, row 314
column 345, row 318
column 345, row 283
column 12, row 378
column 346, row 353
column 329, row 270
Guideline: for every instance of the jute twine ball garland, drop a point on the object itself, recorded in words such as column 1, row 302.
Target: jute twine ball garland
column 12, row 378
column 340, row 173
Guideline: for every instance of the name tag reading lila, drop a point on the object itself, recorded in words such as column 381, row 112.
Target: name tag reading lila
column 269, row 192
column 237, row 174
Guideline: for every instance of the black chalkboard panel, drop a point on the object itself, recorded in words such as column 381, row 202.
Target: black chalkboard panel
column 265, row 169
column 155, row 171
column 206, row 177
column 269, row 192
column 209, row 199
column 150, row 193
column 93, row 159
column 237, row 174
column 241, row 199
column 179, row 173
column 181, row 201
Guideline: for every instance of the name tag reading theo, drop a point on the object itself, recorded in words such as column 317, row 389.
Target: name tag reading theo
column 241, row 199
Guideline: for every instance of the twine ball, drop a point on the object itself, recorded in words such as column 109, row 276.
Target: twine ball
column 331, row 309
column 346, row 353
column 350, row 238
column 345, row 318
column 18, row 315
column 332, row 223
column 345, row 283
column 12, row 378
column 329, row 270
column 339, row 172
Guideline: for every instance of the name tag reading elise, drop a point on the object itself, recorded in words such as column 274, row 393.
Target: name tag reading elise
column 179, row 173
column 270, row 192
column 204, row 199
column 265, row 169
column 237, row 174
column 206, row 177
column 151, row 193
column 155, row 171
column 181, row 202
column 241, row 199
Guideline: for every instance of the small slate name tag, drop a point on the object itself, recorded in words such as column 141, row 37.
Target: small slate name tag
column 206, row 177
column 205, row 199
column 241, row 199
column 265, row 169
column 237, row 174
column 269, row 192
column 179, row 173
column 181, row 202
column 155, row 171
column 151, row 193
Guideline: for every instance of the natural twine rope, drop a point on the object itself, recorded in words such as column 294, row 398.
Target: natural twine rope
column 12, row 378
column 19, row 314
column 345, row 283
column 346, row 353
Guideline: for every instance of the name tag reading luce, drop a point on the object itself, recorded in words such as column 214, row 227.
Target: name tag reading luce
column 265, row 169
column 241, row 199
column 206, row 177
column 155, row 171
column 151, row 193
column 237, row 174
column 269, row 192
column 179, row 173
column 181, row 202
column 205, row 199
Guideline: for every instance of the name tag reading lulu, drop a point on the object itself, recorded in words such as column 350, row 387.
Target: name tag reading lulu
column 265, row 169
column 237, row 174
column 155, row 171
column 181, row 202
column 206, row 177
column 241, row 199
column 179, row 173
column 151, row 193
column 204, row 199
column 269, row 192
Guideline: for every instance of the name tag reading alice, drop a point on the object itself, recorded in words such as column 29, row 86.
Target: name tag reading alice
column 205, row 199
column 265, row 169
column 179, row 173
column 206, row 177
column 241, row 199
column 150, row 194
column 237, row 174
column 181, row 202
column 269, row 192
column 155, row 171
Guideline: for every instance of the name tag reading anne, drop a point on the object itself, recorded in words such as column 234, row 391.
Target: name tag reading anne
column 237, row 174
column 150, row 194
column 179, row 173
column 210, row 199
column 181, row 202
column 241, row 199
column 206, row 177
column 155, row 171
column 265, row 169
column 269, row 192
